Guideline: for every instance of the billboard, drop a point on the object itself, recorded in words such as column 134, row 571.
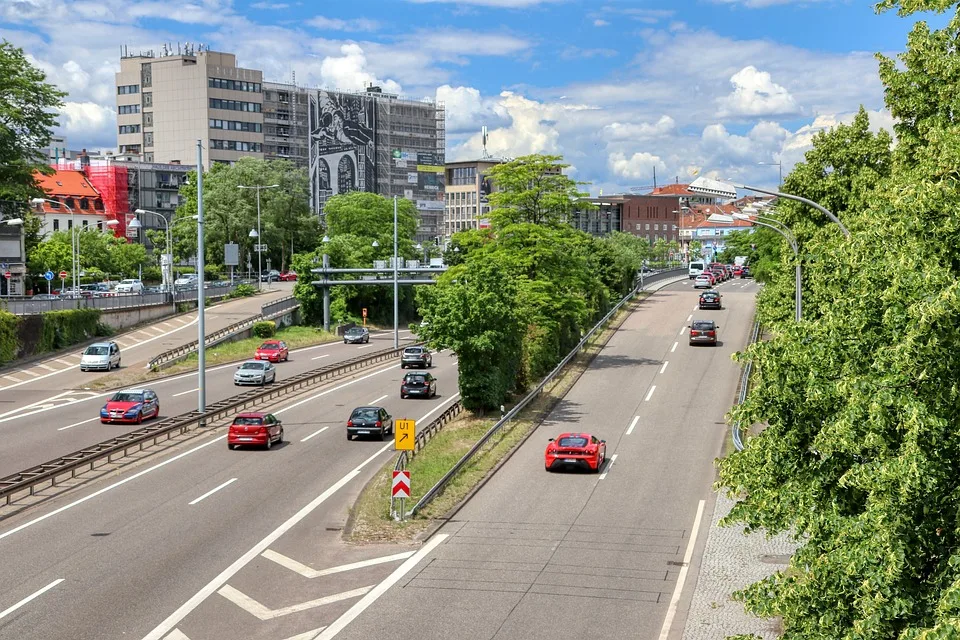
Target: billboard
column 342, row 144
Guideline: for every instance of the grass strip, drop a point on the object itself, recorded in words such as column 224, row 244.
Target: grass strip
column 296, row 337
column 370, row 518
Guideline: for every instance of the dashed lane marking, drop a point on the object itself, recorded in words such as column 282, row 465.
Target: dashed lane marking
column 45, row 366
column 32, row 596
column 609, row 467
column 212, row 491
column 315, row 433
column 674, row 347
column 64, row 362
column 633, row 424
column 650, row 393
column 12, row 378
column 664, row 367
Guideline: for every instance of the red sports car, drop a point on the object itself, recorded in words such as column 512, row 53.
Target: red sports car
column 288, row 275
column 272, row 351
column 575, row 450
column 131, row 405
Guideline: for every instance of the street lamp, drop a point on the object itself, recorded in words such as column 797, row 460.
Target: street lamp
column 13, row 222
column 259, row 246
column 775, row 164
column 74, row 249
column 167, row 272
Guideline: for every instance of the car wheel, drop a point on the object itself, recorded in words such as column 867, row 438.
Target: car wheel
column 349, row 437
column 382, row 434
column 140, row 418
column 280, row 437
column 546, row 468
column 269, row 444
column 231, row 447
column 344, row 342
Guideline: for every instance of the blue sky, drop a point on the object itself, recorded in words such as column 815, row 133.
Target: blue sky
column 620, row 88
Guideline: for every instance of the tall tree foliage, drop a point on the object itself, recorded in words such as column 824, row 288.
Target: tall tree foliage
column 533, row 189
column 861, row 455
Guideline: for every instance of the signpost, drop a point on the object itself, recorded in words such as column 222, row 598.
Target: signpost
column 404, row 434
column 401, row 489
column 48, row 276
column 364, row 316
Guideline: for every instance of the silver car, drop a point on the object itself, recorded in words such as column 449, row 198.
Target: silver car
column 702, row 282
column 255, row 372
column 101, row 356
column 355, row 335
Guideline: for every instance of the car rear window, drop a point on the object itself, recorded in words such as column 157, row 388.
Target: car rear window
column 269, row 346
column 413, row 350
column 123, row 396
column 247, row 420
column 365, row 414
column 703, row 325
column 416, row 378
column 573, row 441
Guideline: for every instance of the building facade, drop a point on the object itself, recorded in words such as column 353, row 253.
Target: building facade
column 379, row 143
column 711, row 235
column 603, row 216
column 285, row 123
column 468, row 186
column 75, row 202
column 166, row 103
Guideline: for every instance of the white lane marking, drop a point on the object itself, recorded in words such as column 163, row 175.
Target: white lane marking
column 47, row 367
column 12, row 378
column 650, row 393
column 29, row 372
column 351, row 614
column 609, row 467
column 315, row 433
column 689, row 317
column 366, row 346
column 664, row 367
column 326, row 355
column 306, row 635
column 176, row 634
column 633, row 424
column 337, row 388
column 675, row 600
column 212, row 491
column 310, row 572
column 119, row 483
column 174, row 618
column 183, row 393
column 167, row 324
column 379, row 399
column 695, row 308
column 682, row 330
column 262, row 612
column 674, row 347
column 64, row 362
column 77, row 424
column 32, row 596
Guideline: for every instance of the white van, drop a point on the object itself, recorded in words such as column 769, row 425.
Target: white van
column 696, row 268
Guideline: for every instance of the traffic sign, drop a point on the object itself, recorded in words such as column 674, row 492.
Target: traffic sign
column 401, row 484
column 7, row 274
column 3, row 266
column 48, row 275
column 259, row 248
column 364, row 312
column 404, row 434
column 63, row 275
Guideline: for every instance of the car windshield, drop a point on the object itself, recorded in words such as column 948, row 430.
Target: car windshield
column 253, row 366
column 573, row 441
column 269, row 346
column 702, row 325
column 126, row 396
column 247, row 420
column 97, row 351
column 365, row 414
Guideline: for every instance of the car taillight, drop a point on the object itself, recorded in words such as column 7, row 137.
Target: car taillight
column 263, row 431
column 378, row 423
column 349, row 423
column 711, row 333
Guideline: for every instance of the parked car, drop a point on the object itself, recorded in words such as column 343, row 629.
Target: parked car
column 287, row 276
column 416, row 357
column 703, row 281
column 355, row 335
column 254, row 428
column 575, row 450
column 270, row 276
column 186, row 280
column 420, row 383
column 710, row 300
column 272, row 351
column 45, row 296
column 101, row 356
column 366, row 421
column 703, row 332
column 130, row 285
column 255, row 372
column 131, row 405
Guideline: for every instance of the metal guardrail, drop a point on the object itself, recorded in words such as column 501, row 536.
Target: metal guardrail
column 26, row 482
column 109, row 302
column 276, row 309
column 744, row 388
column 510, row 415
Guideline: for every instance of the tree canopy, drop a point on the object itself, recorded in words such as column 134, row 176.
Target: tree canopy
column 533, row 189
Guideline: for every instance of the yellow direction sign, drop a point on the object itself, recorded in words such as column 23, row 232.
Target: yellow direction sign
column 404, row 434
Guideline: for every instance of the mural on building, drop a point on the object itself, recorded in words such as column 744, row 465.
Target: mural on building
column 343, row 144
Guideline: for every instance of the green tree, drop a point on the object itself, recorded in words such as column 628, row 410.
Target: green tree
column 52, row 254
column 533, row 189
column 695, row 250
column 126, row 258
column 28, row 107
column 738, row 243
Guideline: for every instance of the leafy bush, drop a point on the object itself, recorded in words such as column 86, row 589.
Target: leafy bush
column 152, row 274
column 9, row 340
column 243, row 291
column 61, row 329
column 265, row 329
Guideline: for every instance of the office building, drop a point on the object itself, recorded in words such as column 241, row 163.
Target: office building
column 467, row 186
column 379, row 143
column 285, row 123
column 166, row 102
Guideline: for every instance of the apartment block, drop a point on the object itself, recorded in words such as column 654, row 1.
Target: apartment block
column 166, row 102
column 467, row 187
column 285, row 123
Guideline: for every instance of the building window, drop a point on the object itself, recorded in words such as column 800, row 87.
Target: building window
column 234, row 125
column 54, row 204
column 83, row 204
column 236, row 85
column 236, row 145
column 68, row 203
column 128, row 108
column 648, row 229
column 129, row 128
column 56, row 225
column 98, row 205
column 148, row 99
column 656, row 227
column 234, row 105
column 148, row 139
column 86, row 223
column 69, row 224
column 638, row 227
column 125, row 89
column 148, row 119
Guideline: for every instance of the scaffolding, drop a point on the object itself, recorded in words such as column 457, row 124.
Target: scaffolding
column 113, row 184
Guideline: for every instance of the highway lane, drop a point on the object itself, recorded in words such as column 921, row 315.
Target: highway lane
column 70, row 420
column 131, row 554
column 539, row 556
column 35, row 382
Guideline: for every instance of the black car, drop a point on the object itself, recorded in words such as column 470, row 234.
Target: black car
column 745, row 273
column 270, row 276
column 369, row 421
column 420, row 383
column 416, row 357
column 710, row 300
column 355, row 335
column 703, row 332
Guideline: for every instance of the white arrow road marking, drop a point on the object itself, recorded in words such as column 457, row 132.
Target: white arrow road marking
column 32, row 596
column 253, row 607
column 45, row 405
column 310, row 572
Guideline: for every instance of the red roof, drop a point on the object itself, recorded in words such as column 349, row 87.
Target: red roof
column 697, row 216
column 673, row 190
column 66, row 183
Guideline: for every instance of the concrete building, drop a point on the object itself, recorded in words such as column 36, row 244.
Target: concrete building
column 467, row 187
column 76, row 202
column 166, row 102
column 379, row 143
column 285, row 123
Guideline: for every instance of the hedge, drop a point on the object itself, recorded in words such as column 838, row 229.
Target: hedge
column 9, row 336
column 265, row 329
column 21, row 337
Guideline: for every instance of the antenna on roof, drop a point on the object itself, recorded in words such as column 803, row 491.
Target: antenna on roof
column 483, row 135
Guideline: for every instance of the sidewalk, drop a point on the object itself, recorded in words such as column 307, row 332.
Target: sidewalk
column 731, row 561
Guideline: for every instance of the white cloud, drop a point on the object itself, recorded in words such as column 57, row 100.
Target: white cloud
column 756, row 94
column 633, row 131
column 600, row 23
column 349, row 71
column 337, row 24
column 639, row 166
column 466, row 111
column 89, row 124
column 576, row 53
column 270, row 6
column 760, row 4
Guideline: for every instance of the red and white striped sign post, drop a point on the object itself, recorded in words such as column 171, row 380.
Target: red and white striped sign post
column 400, row 489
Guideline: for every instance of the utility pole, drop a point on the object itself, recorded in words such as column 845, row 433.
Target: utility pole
column 396, row 283
column 201, row 329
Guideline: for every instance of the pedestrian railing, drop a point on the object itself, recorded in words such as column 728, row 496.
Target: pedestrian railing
column 110, row 302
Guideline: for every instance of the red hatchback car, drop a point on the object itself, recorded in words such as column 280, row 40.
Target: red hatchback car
column 575, row 450
column 272, row 351
column 287, row 276
column 255, row 428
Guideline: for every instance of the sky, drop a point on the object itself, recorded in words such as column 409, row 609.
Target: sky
column 620, row 88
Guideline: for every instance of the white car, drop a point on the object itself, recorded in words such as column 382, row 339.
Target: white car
column 131, row 285
column 255, row 372
column 102, row 355
column 702, row 282
column 187, row 279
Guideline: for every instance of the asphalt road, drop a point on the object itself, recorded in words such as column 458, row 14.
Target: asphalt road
column 117, row 558
column 38, row 381
column 537, row 555
column 66, row 421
